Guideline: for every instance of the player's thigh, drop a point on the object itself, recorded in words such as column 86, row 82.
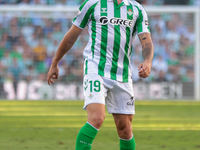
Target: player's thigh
column 122, row 120
column 120, row 99
column 96, row 114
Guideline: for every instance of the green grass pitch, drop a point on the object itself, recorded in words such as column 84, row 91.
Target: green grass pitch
column 53, row 125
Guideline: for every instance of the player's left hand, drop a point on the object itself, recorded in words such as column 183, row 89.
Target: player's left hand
column 144, row 69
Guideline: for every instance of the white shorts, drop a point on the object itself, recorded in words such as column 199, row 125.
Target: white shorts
column 118, row 96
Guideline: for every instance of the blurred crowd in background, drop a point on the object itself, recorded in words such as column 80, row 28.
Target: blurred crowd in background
column 78, row 2
column 27, row 45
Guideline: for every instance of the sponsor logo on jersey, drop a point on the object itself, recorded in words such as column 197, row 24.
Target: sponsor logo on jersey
column 116, row 21
column 132, row 102
column 103, row 20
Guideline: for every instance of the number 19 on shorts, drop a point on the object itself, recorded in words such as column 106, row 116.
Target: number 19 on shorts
column 95, row 86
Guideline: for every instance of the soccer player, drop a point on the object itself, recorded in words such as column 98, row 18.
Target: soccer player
column 112, row 25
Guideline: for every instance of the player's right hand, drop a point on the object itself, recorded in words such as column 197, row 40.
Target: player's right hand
column 52, row 74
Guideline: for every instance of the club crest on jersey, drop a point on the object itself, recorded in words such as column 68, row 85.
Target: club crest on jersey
column 130, row 12
column 116, row 21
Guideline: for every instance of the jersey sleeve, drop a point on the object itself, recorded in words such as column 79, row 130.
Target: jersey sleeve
column 142, row 23
column 83, row 16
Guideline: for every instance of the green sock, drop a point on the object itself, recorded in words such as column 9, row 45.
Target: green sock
column 127, row 144
column 85, row 137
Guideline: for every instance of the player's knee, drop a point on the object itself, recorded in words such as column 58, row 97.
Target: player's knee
column 124, row 131
column 127, row 131
column 97, row 120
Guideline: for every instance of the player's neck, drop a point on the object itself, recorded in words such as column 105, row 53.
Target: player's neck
column 119, row 1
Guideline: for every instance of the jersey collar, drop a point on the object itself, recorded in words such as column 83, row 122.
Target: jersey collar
column 126, row 2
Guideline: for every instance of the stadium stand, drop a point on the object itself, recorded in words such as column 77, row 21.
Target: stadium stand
column 78, row 2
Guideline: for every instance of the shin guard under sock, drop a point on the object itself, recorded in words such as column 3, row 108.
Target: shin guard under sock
column 127, row 144
column 85, row 137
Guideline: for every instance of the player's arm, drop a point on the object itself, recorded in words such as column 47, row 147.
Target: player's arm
column 65, row 45
column 147, row 53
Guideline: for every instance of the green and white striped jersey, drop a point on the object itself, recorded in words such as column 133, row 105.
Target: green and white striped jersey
column 112, row 28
